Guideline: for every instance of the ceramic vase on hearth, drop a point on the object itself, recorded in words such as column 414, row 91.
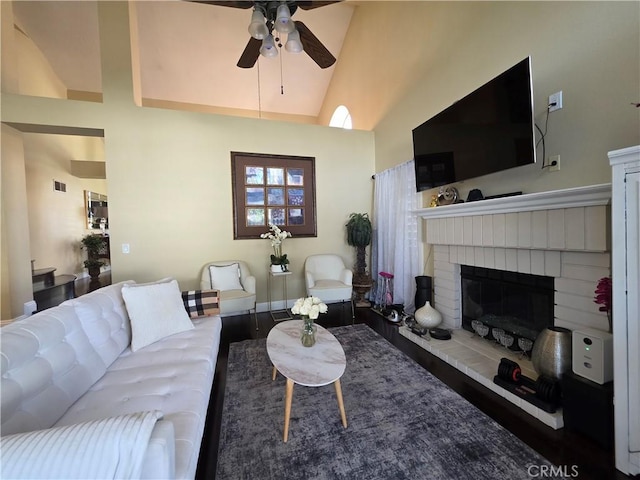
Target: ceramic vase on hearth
column 427, row 316
column 551, row 354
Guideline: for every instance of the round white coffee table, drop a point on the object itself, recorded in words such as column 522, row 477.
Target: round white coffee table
column 315, row 366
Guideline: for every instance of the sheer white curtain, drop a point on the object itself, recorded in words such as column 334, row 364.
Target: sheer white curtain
column 396, row 246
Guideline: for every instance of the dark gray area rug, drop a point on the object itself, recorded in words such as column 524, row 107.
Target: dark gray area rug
column 403, row 423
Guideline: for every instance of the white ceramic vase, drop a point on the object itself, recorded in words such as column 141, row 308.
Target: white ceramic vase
column 427, row 316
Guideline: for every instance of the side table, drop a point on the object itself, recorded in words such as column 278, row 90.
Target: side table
column 280, row 314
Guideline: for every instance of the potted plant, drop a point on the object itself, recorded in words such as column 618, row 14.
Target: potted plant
column 279, row 260
column 359, row 231
column 93, row 243
column 93, row 266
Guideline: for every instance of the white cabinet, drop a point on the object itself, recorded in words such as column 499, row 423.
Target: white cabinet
column 625, row 218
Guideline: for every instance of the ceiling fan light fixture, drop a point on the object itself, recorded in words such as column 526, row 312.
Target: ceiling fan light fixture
column 293, row 45
column 258, row 27
column 268, row 48
column 283, row 23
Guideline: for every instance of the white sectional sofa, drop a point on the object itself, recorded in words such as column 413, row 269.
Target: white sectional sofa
column 73, row 365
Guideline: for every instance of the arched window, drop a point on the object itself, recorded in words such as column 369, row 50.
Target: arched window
column 341, row 118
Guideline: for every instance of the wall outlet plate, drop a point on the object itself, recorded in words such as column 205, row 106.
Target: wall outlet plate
column 554, row 167
column 556, row 99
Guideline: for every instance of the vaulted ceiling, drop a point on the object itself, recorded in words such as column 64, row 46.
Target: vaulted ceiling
column 188, row 53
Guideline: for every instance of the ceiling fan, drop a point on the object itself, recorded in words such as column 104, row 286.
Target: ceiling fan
column 269, row 21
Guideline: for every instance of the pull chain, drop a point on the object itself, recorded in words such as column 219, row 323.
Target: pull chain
column 259, row 96
column 281, row 82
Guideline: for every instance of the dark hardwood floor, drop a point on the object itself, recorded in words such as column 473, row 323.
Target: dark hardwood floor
column 562, row 447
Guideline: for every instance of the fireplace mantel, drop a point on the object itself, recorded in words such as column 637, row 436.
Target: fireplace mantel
column 592, row 195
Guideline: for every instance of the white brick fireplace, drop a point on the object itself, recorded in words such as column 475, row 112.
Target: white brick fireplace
column 563, row 234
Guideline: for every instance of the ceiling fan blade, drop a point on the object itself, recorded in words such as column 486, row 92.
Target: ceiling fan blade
column 223, row 3
column 250, row 53
column 314, row 47
column 311, row 4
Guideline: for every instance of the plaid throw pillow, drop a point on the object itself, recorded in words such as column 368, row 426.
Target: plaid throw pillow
column 200, row 303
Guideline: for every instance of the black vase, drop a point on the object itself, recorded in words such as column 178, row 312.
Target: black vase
column 423, row 291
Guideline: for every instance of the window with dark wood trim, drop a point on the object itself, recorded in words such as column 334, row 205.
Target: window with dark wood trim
column 277, row 189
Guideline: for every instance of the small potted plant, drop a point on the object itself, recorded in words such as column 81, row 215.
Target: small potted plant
column 93, row 266
column 93, row 243
column 279, row 260
column 359, row 231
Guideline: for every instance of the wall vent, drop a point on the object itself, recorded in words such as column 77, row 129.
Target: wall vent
column 59, row 186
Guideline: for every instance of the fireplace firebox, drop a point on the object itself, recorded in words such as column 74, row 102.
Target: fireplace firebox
column 520, row 304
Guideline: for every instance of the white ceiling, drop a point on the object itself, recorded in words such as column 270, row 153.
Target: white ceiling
column 188, row 53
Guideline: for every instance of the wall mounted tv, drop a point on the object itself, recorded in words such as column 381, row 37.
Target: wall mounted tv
column 489, row 130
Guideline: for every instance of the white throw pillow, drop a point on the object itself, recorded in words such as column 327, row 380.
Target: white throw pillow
column 225, row 277
column 156, row 311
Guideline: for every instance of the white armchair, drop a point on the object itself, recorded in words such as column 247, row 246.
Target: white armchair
column 236, row 285
column 327, row 278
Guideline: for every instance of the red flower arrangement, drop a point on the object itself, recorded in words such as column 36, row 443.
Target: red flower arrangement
column 603, row 297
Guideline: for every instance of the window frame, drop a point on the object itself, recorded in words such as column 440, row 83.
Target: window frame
column 241, row 160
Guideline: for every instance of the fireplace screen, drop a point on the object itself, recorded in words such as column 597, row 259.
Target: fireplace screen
column 518, row 303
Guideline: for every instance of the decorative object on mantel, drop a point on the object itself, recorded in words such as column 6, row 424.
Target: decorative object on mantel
column 309, row 308
column 447, row 195
column 475, row 195
column 279, row 261
column 551, row 354
column 359, row 235
column 427, row 316
column 603, row 298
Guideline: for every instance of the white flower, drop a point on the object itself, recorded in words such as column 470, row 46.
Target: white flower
column 310, row 307
column 275, row 235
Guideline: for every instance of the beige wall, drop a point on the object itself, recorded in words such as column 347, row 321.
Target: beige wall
column 170, row 191
column 427, row 55
column 169, row 174
column 15, row 280
column 57, row 220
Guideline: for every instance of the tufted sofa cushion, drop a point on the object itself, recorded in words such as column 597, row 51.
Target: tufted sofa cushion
column 104, row 318
column 48, row 362
column 174, row 376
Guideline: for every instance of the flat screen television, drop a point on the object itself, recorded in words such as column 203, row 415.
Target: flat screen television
column 489, row 130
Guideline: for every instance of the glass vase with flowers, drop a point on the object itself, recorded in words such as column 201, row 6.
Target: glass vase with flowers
column 309, row 309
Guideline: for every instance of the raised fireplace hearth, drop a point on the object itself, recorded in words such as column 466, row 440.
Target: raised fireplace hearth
column 562, row 234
